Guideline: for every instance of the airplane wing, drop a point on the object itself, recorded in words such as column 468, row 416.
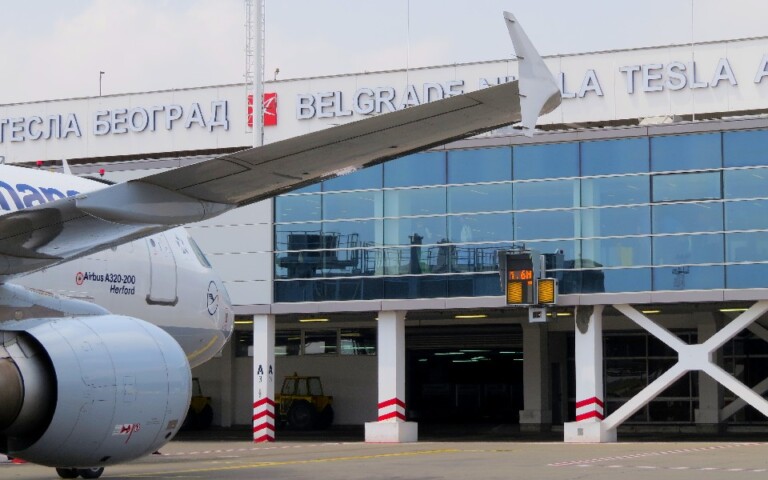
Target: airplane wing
column 59, row 231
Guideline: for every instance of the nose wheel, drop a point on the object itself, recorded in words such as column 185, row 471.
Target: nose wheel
column 80, row 472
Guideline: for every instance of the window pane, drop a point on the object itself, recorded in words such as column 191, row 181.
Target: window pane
column 747, row 247
column 287, row 342
column 686, row 186
column 318, row 342
column 297, row 208
column 687, row 217
column 685, row 152
column 480, row 198
column 480, row 228
column 751, row 215
column 624, row 378
column 745, row 148
column 415, row 231
column 343, row 243
column 305, row 257
column 358, row 341
column 687, row 249
column 361, row 204
column 415, row 170
column 615, row 190
column 750, row 183
column 416, row 201
column 614, row 156
column 605, row 222
column 747, row 276
column 543, row 225
column 550, row 194
column 618, row 252
column 366, row 178
column 629, row 280
column 480, row 165
column 688, row 278
column 546, row 161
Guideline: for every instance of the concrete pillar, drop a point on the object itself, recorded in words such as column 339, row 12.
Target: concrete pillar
column 537, row 415
column 710, row 392
column 391, row 426
column 263, row 378
column 590, row 397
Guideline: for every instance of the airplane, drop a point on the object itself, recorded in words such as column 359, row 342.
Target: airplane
column 97, row 341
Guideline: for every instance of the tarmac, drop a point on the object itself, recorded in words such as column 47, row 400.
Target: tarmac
column 445, row 452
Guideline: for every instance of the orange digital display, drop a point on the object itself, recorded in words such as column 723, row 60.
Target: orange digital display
column 525, row 274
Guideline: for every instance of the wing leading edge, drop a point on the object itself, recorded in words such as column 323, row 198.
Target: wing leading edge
column 59, row 231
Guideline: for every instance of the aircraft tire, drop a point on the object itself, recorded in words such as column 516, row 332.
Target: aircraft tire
column 90, row 472
column 67, row 472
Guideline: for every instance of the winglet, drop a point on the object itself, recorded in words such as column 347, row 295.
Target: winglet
column 539, row 93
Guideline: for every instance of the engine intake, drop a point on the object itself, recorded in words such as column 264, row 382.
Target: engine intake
column 89, row 391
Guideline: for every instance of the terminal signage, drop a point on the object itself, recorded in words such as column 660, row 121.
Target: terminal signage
column 634, row 79
column 116, row 121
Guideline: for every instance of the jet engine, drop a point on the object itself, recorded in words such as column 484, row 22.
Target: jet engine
column 87, row 392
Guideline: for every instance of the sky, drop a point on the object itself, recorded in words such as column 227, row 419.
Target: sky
column 54, row 49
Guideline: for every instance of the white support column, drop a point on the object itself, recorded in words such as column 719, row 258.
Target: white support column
column 391, row 426
column 588, row 427
column 263, row 378
column 537, row 415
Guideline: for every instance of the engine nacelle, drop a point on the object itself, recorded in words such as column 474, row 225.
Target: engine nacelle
column 89, row 391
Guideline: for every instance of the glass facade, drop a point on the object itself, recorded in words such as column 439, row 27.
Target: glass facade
column 658, row 213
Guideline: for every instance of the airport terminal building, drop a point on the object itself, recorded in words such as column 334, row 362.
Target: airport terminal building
column 648, row 187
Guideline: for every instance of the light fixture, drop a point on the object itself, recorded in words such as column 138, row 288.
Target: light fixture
column 564, row 314
column 243, row 322
column 731, row 310
column 475, row 315
column 649, row 312
column 312, row 320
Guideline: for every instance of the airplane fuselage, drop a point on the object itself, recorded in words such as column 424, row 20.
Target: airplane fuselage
column 164, row 279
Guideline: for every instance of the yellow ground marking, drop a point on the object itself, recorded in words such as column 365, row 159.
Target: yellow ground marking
column 294, row 462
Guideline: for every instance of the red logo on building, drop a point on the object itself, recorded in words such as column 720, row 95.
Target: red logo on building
column 269, row 108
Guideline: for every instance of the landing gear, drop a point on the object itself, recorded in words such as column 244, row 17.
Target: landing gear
column 80, row 472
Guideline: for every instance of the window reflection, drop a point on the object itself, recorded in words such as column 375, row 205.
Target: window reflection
column 748, row 183
column 480, row 165
column 688, row 278
column 685, row 152
column 480, row 198
column 297, row 208
column 549, row 194
column 480, row 228
column 361, row 204
column 686, row 186
column 615, row 190
column 688, row 249
column 416, row 201
column 618, row 252
column 605, row 222
column 427, row 168
column 545, row 161
column 746, row 247
column 750, row 215
column 745, row 148
column 548, row 224
column 367, row 178
column 606, row 157
column 687, row 217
